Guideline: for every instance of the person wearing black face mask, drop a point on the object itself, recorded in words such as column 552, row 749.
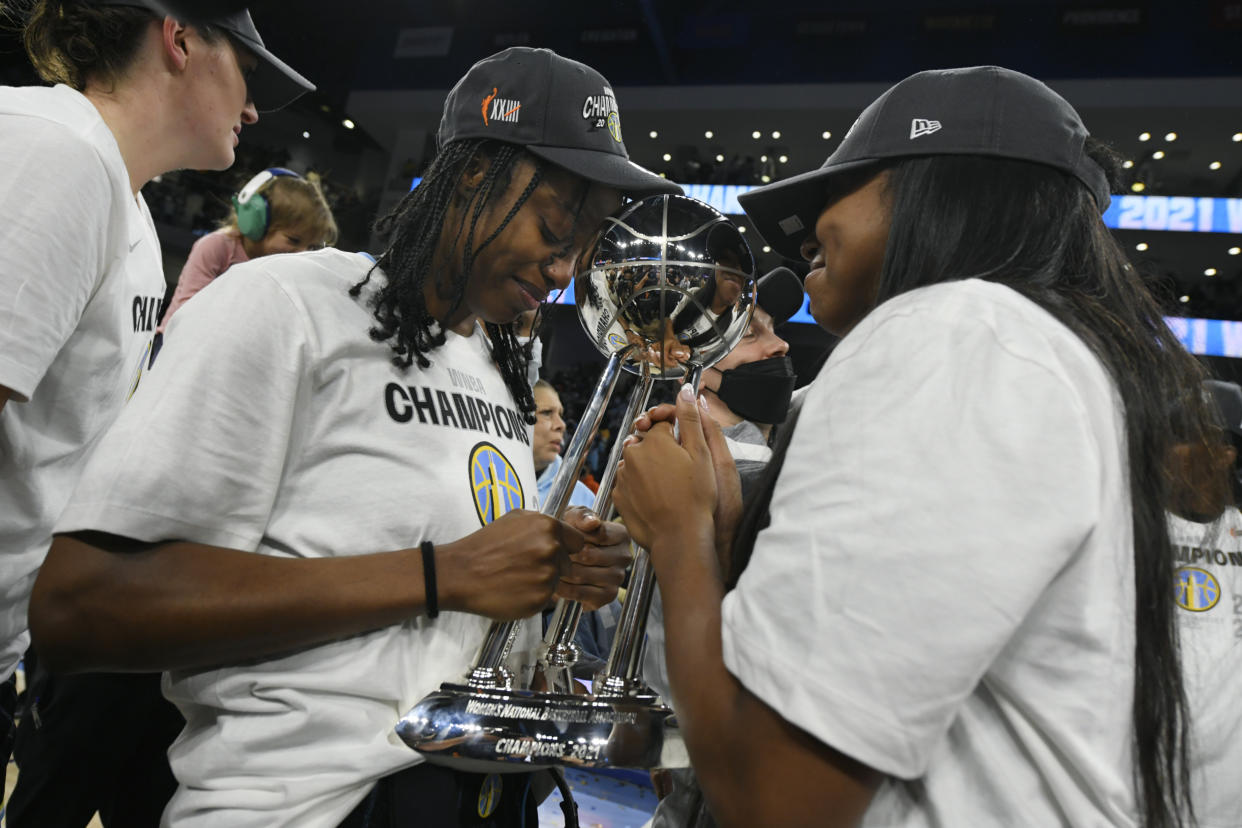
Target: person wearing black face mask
column 749, row 390
column 748, row 393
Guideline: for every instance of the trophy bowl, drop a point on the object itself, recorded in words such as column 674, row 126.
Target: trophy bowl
column 671, row 278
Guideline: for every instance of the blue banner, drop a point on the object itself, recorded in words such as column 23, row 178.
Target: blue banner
column 1131, row 212
column 1208, row 337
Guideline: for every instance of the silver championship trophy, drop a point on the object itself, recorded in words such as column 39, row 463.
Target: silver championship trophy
column 670, row 290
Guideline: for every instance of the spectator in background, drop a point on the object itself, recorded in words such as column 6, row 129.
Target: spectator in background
column 278, row 211
column 1207, row 587
column 138, row 94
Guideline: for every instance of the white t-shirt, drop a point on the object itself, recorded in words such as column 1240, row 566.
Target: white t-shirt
column 81, row 280
column 946, row 589
column 1208, row 588
column 272, row 422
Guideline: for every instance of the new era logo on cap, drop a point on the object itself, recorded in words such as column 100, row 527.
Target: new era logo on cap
column 922, row 126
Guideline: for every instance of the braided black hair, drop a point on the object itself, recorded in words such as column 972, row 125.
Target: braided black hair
column 414, row 228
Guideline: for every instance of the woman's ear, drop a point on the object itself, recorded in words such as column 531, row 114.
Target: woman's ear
column 472, row 176
column 173, row 43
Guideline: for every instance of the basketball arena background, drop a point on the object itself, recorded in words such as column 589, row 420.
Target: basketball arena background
column 721, row 96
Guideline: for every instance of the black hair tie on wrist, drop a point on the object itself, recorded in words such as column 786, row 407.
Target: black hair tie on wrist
column 429, row 578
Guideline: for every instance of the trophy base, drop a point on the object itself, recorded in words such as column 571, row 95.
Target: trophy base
column 494, row 730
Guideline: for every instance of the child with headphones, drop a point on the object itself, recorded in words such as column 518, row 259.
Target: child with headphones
column 278, row 211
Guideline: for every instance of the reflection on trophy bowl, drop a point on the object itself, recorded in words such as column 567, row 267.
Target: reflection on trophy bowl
column 672, row 277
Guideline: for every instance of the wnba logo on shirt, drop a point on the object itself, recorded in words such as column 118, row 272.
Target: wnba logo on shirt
column 494, row 483
column 1196, row 589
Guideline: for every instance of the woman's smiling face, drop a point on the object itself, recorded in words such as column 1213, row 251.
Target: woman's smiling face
column 846, row 251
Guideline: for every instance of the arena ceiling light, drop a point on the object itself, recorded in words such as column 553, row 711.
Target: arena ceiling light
column 1141, row 246
column 1211, row 271
column 1138, row 186
column 1158, row 154
column 1215, row 165
column 1233, row 251
column 784, row 159
column 668, row 157
column 348, row 124
column 305, row 134
column 826, row 135
column 756, row 135
column 1146, row 136
column 709, row 135
column 719, row 158
column 1127, row 163
column 1170, row 136
column 1237, row 136
column 776, row 135
column 653, row 134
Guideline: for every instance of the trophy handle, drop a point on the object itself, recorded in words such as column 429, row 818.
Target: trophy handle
column 620, row 677
column 558, row 653
column 488, row 670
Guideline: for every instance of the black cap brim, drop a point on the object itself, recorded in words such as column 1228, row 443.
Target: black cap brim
column 780, row 293
column 274, row 83
column 786, row 211
column 606, row 168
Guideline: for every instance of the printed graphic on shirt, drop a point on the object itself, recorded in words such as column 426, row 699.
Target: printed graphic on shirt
column 489, row 795
column 454, row 410
column 147, row 312
column 494, row 483
column 1195, row 554
column 136, row 377
column 1195, row 589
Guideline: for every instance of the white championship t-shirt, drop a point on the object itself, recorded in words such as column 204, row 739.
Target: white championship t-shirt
column 946, row 590
column 1208, row 589
column 273, row 422
column 81, row 281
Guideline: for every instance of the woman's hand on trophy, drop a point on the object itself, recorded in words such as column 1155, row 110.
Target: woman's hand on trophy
column 510, row 568
column 667, row 481
column 728, row 509
column 597, row 570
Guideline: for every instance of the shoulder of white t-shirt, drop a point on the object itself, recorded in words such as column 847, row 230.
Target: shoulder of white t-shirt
column 65, row 127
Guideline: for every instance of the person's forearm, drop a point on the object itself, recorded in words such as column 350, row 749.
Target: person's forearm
column 185, row 605
column 743, row 752
column 705, row 695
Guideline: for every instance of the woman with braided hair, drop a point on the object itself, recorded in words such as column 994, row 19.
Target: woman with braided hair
column 313, row 506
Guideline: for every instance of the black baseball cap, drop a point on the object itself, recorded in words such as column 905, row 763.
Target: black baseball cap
column 780, row 294
column 560, row 110
column 977, row 110
column 274, row 84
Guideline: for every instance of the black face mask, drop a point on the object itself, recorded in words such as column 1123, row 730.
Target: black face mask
column 759, row 391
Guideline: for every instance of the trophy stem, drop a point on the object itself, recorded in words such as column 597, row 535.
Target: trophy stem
column 558, row 653
column 488, row 671
column 621, row 674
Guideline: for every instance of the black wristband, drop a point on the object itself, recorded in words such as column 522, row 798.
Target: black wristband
column 429, row 578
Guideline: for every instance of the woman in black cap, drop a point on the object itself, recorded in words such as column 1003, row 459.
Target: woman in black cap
column 311, row 520
column 954, row 604
column 136, row 94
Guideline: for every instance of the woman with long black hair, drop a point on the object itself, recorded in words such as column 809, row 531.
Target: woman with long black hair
column 309, row 516
column 953, row 602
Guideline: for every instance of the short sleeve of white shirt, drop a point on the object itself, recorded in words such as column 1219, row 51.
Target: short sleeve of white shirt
column 232, row 380
column 941, row 474
column 52, row 184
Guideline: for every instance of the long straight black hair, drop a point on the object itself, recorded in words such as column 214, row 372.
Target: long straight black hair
column 414, row 228
column 1039, row 232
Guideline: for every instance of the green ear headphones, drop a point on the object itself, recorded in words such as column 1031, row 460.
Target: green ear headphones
column 251, row 208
